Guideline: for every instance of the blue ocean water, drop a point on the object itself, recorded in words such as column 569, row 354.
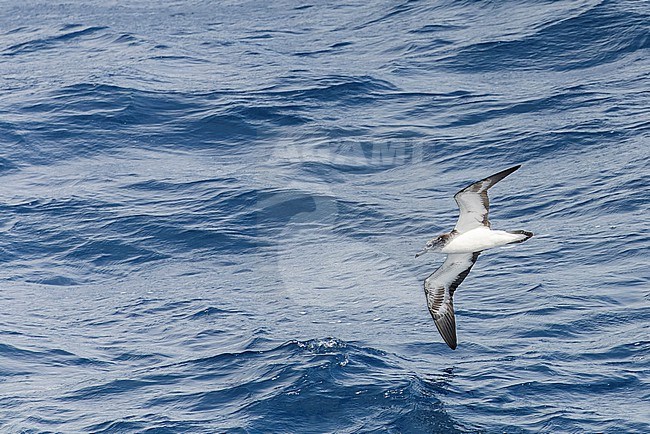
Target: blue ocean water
column 209, row 216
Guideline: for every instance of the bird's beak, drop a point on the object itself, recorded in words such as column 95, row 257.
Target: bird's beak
column 422, row 252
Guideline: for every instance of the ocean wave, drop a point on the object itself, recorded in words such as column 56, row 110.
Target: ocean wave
column 321, row 377
column 193, row 197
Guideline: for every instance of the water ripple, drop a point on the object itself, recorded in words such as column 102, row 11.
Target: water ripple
column 194, row 198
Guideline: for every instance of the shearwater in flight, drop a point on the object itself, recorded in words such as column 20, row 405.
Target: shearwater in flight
column 462, row 245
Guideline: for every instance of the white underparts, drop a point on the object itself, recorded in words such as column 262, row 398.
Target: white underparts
column 480, row 238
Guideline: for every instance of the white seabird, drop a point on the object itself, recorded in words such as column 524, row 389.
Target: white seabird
column 471, row 235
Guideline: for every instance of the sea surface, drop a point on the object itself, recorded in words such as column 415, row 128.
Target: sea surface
column 209, row 213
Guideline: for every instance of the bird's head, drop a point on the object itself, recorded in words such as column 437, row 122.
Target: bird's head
column 434, row 245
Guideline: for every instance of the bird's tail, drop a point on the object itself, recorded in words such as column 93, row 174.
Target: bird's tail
column 523, row 236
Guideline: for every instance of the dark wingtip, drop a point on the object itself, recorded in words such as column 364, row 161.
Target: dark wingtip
column 448, row 335
column 492, row 179
column 507, row 172
column 451, row 339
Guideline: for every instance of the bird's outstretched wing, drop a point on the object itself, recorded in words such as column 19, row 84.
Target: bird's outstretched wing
column 439, row 289
column 474, row 203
